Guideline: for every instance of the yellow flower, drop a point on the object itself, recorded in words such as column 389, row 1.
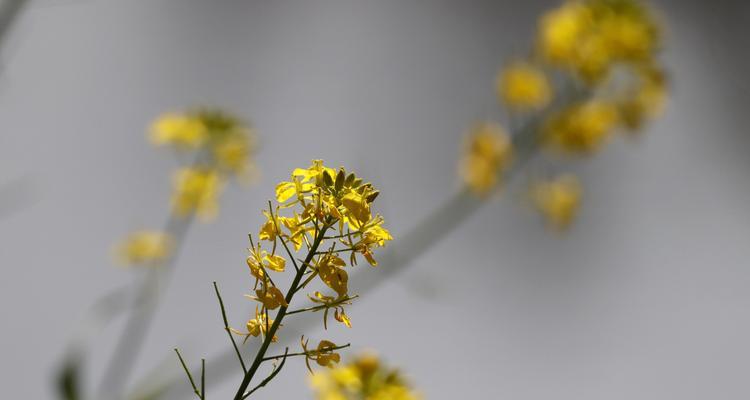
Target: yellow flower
column 357, row 209
column 559, row 31
column 332, row 274
column 324, row 355
column 558, row 200
column 523, row 86
column 647, row 98
column 581, row 128
column 144, row 247
column 232, row 154
column 274, row 262
column 270, row 296
column 488, row 154
column 363, row 378
column 180, row 130
column 196, row 191
column 257, row 326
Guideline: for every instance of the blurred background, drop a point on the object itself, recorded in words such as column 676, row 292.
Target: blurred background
column 645, row 297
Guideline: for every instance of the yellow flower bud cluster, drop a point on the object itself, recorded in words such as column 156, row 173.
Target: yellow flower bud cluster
column 365, row 378
column 594, row 70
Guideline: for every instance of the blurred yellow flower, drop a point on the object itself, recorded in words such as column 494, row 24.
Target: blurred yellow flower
column 196, row 191
column 646, row 99
column 144, row 247
column 559, row 31
column 365, row 378
column 233, row 153
column 488, row 153
column 589, row 36
column 558, row 200
column 180, row 130
column 581, row 128
column 523, row 86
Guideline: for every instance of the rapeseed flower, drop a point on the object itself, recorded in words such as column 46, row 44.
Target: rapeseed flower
column 144, row 247
column 365, row 378
column 558, row 200
column 523, row 86
column 581, row 128
column 488, row 153
column 196, row 190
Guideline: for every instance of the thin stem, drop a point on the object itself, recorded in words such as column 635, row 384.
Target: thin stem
column 303, row 353
column 334, row 251
column 322, row 306
column 226, row 328
column 271, row 332
column 278, row 232
column 269, row 377
column 189, row 375
column 203, row 379
column 309, row 278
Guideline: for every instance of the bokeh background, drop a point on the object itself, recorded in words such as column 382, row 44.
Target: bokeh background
column 646, row 297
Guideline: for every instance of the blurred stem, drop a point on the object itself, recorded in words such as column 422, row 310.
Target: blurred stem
column 271, row 332
column 8, row 13
column 128, row 347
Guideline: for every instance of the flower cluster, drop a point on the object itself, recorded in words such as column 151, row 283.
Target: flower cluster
column 364, row 378
column 221, row 147
column 593, row 71
column 327, row 215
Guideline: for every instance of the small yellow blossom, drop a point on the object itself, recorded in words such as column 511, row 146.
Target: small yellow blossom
column 647, row 98
column 257, row 326
column 523, row 86
column 332, row 274
column 180, row 130
column 144, row 247
column 270, row 296
column 582, row 128
column 560, row 29
column 324, row 355
column 196, row 191
column 488, row 154
column 558, row 200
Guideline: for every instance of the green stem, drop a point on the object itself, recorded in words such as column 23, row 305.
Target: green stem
column 304, row 353
column 279, row 317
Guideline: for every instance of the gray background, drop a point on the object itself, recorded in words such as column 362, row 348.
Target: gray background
column 645, row 298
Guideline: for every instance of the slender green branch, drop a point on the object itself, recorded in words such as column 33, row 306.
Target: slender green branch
column 269, row 377
column 190, row 376
column 304, row 353
column 203, row 379
column 226, row 328
column 323, row 306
